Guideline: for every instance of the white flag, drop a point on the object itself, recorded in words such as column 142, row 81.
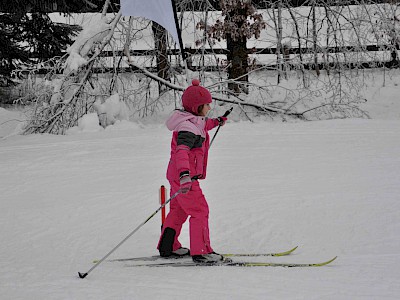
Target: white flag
column 159, row 11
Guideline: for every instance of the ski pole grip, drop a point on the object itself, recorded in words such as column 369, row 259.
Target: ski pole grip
column 228, row 112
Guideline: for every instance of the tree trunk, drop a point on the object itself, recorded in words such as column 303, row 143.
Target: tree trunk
column 160, row 43
column 238, row 64
column 314, row 36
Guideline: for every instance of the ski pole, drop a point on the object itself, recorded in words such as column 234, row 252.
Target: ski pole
column 83, row 275
column 219, row 126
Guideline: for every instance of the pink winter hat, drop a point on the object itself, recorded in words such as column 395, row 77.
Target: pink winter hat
column 194, row 96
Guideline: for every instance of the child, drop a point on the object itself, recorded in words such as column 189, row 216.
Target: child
column 188, row 164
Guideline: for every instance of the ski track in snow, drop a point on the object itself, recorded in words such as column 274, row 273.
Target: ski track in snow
column 331, row 187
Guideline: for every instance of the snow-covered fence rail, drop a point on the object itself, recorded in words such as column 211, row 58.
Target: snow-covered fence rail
column 375, row 59
column 334, row 37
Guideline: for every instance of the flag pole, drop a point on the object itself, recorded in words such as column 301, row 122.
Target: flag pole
column 183, row 53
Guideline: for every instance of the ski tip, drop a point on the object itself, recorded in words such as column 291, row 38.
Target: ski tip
column 326, row 262
column 286, row 252
column 293, row 249
column 329, row 261
column 82, row 275
column 333, row 259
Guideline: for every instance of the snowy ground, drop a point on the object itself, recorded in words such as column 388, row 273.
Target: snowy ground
column 331, row 187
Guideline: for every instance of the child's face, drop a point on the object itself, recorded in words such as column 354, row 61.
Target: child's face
column 205, row 110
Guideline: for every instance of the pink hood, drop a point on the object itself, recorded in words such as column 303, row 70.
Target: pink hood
column 185, row 121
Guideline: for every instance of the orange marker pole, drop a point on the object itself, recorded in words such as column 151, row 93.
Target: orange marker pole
column 163, row 195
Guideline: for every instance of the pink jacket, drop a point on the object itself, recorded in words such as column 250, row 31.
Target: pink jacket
column 189, row 145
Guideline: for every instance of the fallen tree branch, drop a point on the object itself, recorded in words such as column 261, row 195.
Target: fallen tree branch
column 217, row 98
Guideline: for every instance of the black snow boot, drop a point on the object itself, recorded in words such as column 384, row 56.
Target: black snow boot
column 166, row 242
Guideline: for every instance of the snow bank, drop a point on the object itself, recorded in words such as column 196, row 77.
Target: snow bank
column 111, row 110
column 91, row 123
column 88, row 123
column 11, row 122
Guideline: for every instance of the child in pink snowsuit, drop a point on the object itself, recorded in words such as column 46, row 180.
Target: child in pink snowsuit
column 187, row 165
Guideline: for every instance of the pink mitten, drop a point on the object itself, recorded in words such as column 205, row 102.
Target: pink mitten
column 222, row 120
column 185, row 182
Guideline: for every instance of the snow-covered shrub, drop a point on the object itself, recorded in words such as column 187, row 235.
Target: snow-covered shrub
column 111, row 110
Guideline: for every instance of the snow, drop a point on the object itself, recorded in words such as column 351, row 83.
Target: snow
column 89, row 122
column 112, row 110
column 330, row 187
column 93, row 32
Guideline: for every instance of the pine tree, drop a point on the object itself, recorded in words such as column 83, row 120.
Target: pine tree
column 45, row 37
column 26, row 38
column 12, row 52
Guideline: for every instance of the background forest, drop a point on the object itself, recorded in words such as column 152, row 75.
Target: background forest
column 285, row 59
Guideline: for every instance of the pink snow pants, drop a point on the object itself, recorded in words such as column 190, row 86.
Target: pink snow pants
column 192, row 204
